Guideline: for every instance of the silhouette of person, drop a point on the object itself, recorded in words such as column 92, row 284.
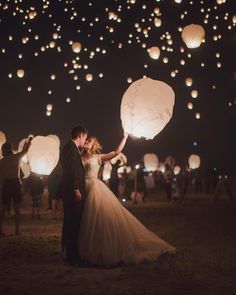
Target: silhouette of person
column 114, row 180
column 11, row 188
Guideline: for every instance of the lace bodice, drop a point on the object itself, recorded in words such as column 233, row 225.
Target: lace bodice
column 91, row 166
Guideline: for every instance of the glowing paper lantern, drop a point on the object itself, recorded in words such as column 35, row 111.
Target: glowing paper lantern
column 49, row 107
column 122, row 157
column 193, row 35
column 43, row 154
column 150, row 162
column 147, row 107
column 2, row 140
column 197, row 115
column 194, row 93
column 55, row 137
column 154, row 52
column 189, row 82
column 157, row 22
column 89, row 77
column 176, row 170
column 76, row 47
column 122, row 169
column 20, row 73
column 190, row 105
column 161, row 167
column 194, row 161
column 32, row 14
column 106, row 174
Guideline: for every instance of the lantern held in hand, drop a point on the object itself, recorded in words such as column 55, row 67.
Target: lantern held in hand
column 43, row 155
column 146, row 107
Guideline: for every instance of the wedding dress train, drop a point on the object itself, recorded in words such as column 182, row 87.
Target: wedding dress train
column 109, row 233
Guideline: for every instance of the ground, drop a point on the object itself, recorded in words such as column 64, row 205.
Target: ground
column 203, row 233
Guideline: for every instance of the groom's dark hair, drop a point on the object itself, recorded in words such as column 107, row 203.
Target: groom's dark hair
column 77, row 131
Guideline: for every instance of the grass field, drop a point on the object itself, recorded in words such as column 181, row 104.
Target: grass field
column 203, row 233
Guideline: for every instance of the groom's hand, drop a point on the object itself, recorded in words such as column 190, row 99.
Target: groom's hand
column 78, row 195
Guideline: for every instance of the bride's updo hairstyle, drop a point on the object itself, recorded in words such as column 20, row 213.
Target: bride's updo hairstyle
column 96, row 147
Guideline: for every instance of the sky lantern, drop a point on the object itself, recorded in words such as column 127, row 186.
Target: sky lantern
column 49, row 107
column 106, row 174
column 189, row 82
column 193, row 35
column 157, row 22
column 76, row 47
column 32, row 14
column 129, row 80
column 150, row 162
column 194, row 161
column 89, row 77
column 20, row 73
column 154, row 52
column 165, row 60
column 198, row 116
column 146, row 107
column 2, row 140
column 55, row 137
column 190, row 105
column 43, row 155
column 194, row 93
column 176, row 170
column 122, row 157
column 161, row 167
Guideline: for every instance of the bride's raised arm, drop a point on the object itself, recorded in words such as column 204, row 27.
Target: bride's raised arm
column 117, row 151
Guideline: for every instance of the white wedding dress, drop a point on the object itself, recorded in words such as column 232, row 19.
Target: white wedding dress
column 109, row 233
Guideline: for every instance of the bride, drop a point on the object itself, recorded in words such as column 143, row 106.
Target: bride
column 109, row 233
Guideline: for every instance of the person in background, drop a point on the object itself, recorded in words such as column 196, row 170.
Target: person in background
column 54, row 181
column 11, row 188
column 168, row 179
column 114, row 180
column 35, row 184
column 141, row 186
column 181, row 185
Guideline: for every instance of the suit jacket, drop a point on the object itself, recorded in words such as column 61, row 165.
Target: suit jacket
column 73, row 176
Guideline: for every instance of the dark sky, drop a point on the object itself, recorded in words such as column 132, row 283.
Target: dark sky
column 96, row 105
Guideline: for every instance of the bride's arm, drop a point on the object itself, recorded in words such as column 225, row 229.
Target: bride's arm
column 117, row 151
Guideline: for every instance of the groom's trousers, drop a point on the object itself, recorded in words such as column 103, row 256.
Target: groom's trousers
column 70, row 231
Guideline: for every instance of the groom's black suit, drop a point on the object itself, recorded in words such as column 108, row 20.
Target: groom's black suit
column 73, row 178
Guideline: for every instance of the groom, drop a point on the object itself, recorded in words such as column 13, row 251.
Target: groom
column 73, row 193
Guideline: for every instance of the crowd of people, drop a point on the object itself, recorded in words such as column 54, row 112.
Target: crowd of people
column 175, row 186
column 135, row 185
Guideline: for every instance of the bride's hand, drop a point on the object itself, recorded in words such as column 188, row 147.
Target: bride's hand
column 125, row 135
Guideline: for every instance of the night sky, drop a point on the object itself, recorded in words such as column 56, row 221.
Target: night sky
column 113, row 50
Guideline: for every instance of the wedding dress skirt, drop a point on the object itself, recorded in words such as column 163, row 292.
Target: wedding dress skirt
column 110, row 234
